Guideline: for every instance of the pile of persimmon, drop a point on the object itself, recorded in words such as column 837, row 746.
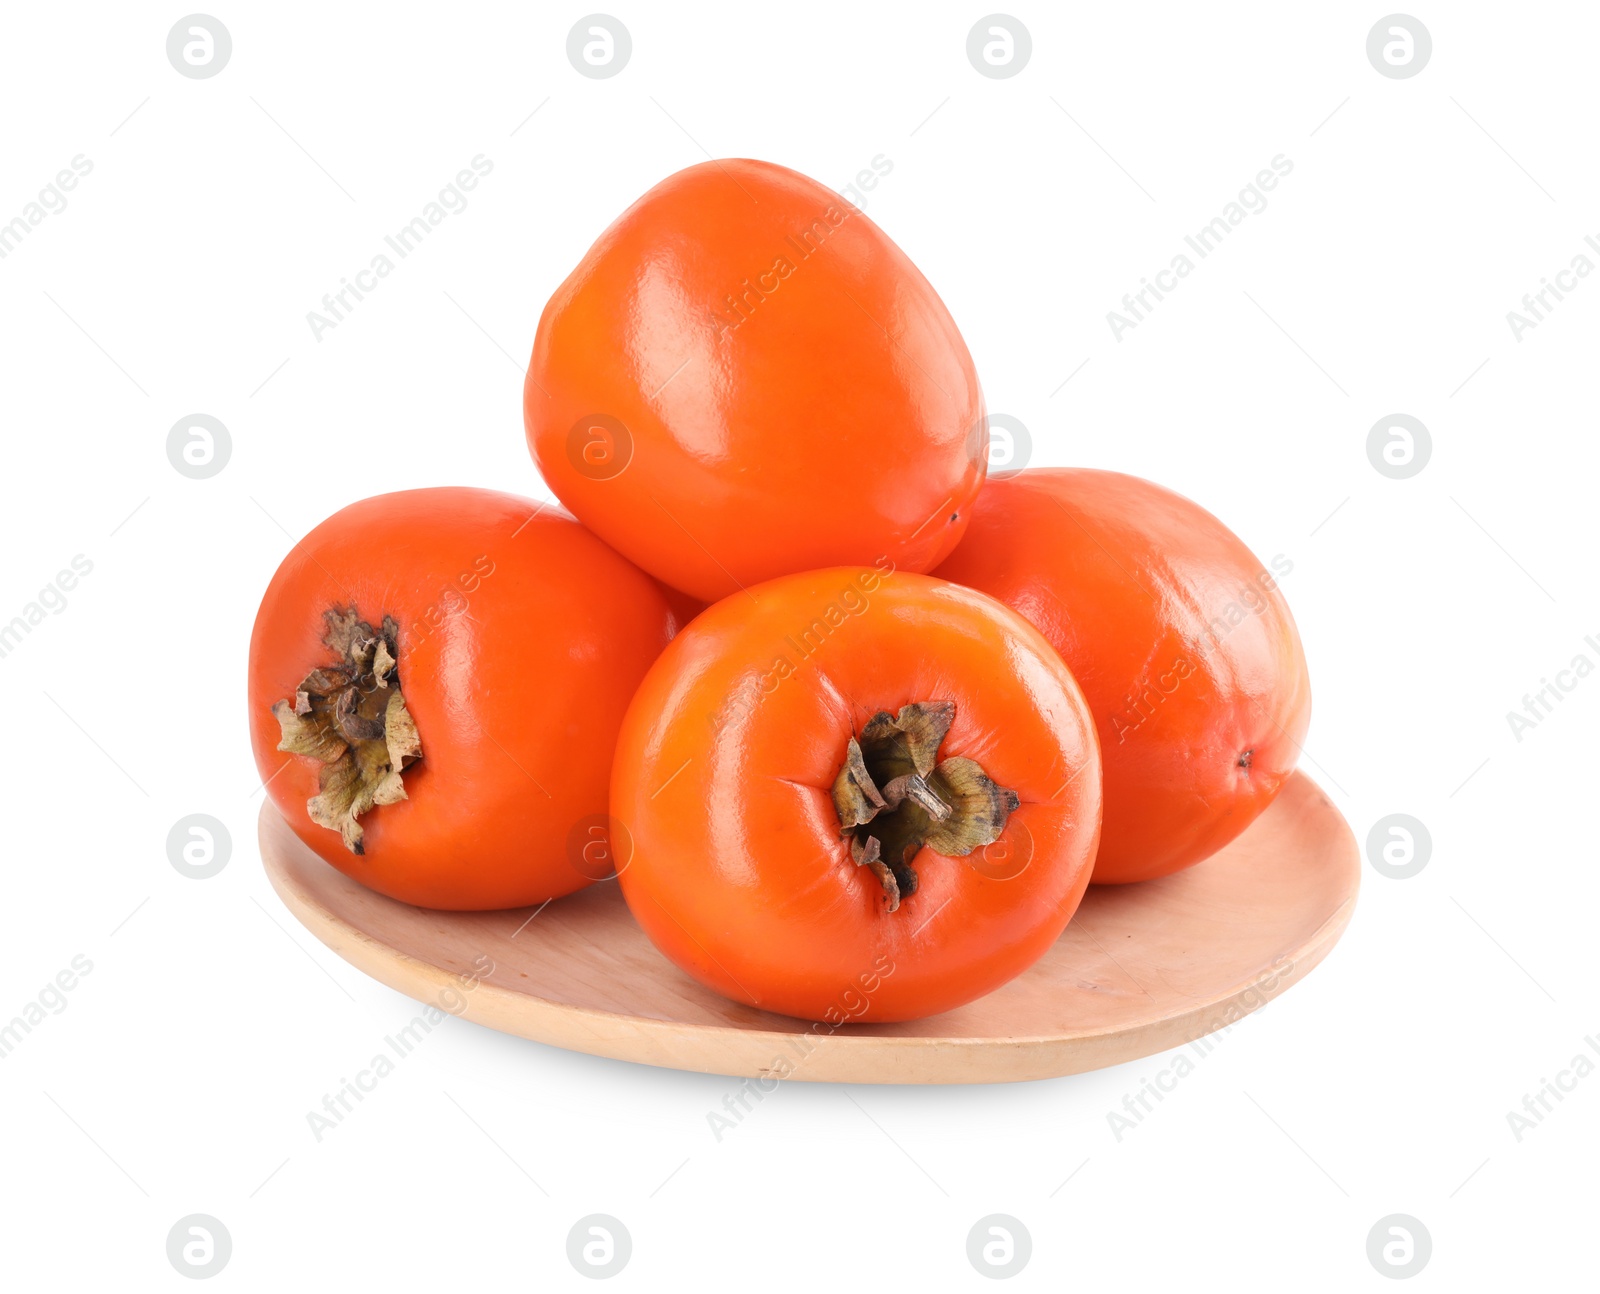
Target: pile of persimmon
column 851, row 727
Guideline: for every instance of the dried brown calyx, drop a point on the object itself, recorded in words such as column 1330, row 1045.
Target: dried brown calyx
column 351, row 717
column 894, row 795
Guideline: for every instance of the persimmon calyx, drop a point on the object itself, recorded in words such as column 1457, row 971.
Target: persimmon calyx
column 351, row 717
column 894, row 795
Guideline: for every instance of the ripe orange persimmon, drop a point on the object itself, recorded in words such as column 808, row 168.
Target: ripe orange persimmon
column 856, row 794
column 1179, row 637
column 436, row 682
column 744, row 377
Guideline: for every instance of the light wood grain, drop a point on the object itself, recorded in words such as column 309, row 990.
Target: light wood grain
column 1141, row 968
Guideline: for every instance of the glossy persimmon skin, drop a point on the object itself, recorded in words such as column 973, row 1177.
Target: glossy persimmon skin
column 1127, row 579
column 830, row 416
column 521, row 640
column 723, row 779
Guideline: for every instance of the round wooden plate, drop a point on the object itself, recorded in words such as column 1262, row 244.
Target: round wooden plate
column 1140, row 969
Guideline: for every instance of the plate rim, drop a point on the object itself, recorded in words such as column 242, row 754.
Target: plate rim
column 839, row 1053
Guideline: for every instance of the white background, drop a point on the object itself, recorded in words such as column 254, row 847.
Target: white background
column 177, row 280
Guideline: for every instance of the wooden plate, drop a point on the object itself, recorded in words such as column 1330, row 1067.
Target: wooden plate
column 1140, row 969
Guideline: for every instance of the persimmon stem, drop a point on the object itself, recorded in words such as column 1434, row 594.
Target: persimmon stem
column 893, row 796
column 924, row 795
column 351, row 717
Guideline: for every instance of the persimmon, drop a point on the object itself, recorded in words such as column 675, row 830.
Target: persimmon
column 1180, row 638
column 856, row 794
column 745, row 377
column 436, row 682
